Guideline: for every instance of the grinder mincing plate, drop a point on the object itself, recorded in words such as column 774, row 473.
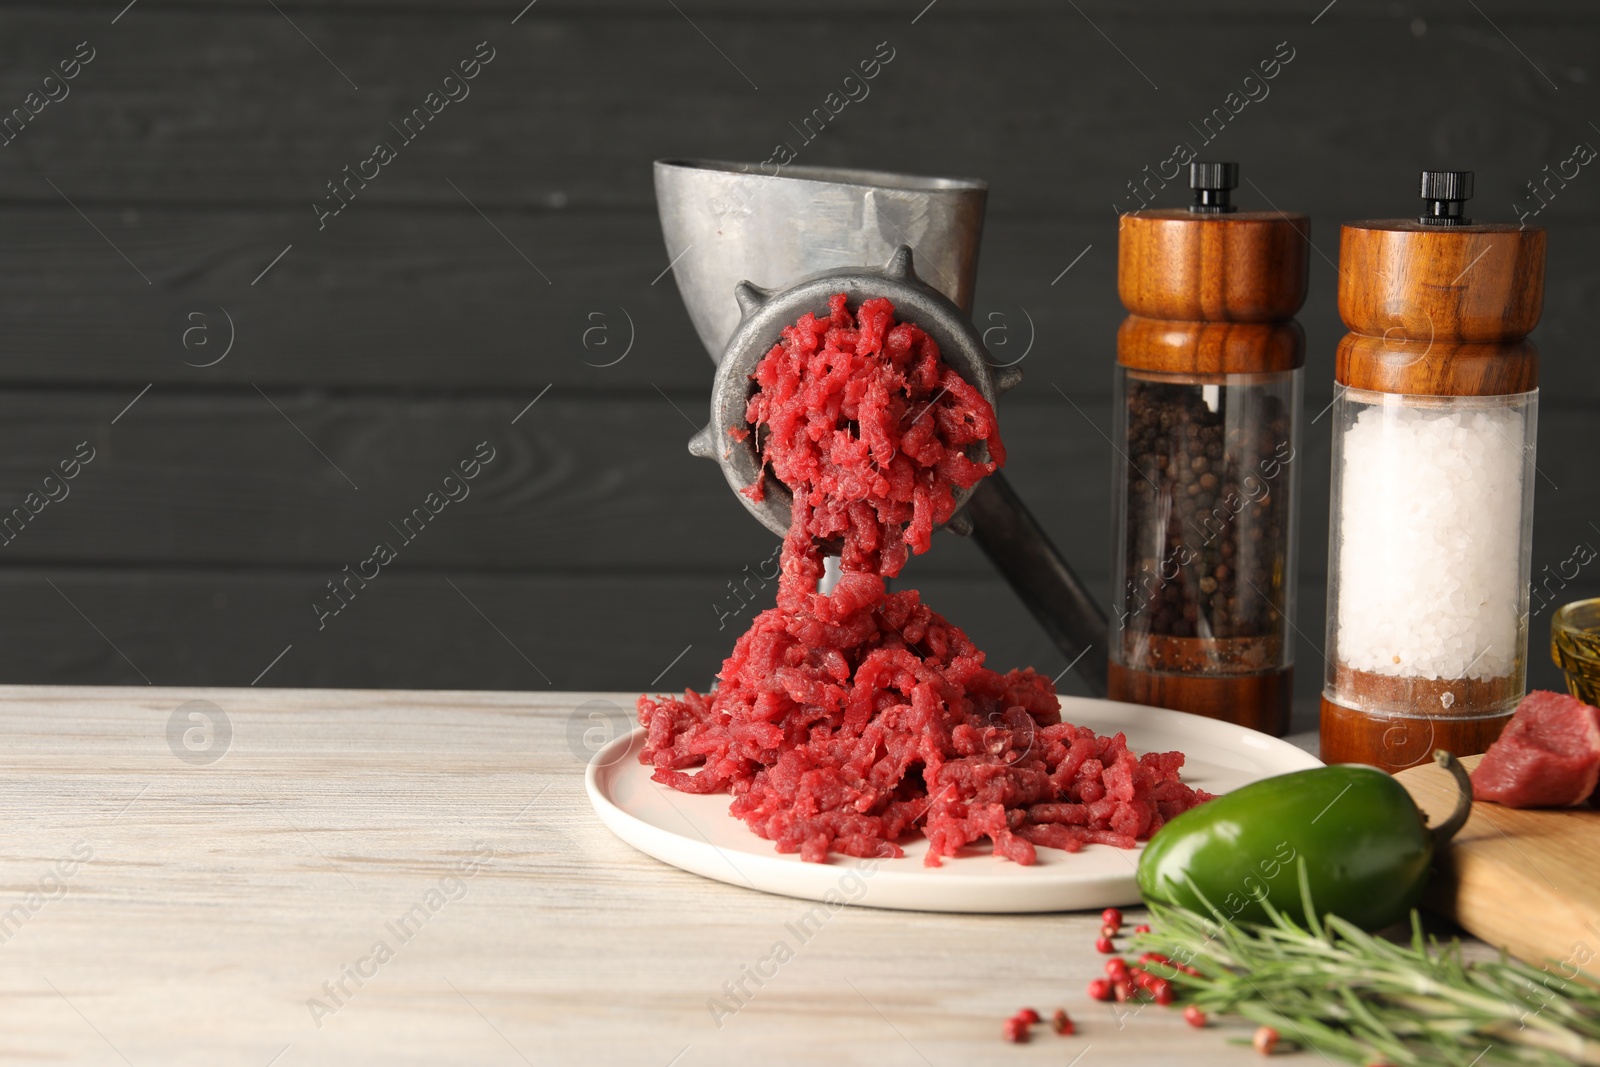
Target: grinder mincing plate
column 721, row 218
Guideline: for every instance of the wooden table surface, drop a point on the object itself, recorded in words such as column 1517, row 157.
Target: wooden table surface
column 169, row 899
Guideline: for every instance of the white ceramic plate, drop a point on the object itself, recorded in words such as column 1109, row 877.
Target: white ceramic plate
column 697, row 834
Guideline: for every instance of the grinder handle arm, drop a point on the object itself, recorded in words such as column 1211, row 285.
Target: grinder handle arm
column 1019, row 548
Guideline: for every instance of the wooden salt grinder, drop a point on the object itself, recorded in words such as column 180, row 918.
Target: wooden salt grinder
column 1437, row 307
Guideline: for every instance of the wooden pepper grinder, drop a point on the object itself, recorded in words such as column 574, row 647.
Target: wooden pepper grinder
column 1434, row 419
column 1209, row 367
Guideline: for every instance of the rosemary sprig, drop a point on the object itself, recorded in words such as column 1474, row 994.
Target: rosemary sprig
column 1341, row 991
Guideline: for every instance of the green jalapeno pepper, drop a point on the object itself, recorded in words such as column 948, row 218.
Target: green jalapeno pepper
column 1367, row 848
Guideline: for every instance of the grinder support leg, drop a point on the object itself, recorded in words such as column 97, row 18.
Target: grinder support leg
column 1015, row 542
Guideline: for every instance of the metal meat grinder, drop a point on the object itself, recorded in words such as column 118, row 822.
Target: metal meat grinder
column 752, row 252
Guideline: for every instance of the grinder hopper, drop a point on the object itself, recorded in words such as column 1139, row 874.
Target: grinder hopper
column 729, row 225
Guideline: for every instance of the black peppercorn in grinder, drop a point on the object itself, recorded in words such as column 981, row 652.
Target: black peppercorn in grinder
column 1209, row 369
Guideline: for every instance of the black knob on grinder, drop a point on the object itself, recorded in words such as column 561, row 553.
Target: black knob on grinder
column 1444, row 195
column 1212, row 183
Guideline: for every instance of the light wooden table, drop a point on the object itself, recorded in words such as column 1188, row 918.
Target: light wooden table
column 158, row 909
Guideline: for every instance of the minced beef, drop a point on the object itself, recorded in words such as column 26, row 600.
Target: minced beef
column 869, row 429
column 845, row 722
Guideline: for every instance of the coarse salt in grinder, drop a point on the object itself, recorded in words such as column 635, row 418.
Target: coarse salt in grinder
column 1434, row 417
column 1209, row 368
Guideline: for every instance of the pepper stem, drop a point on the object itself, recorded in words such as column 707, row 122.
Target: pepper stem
column 1458, row 818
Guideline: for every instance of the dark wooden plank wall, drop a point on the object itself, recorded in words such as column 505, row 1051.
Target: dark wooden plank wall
column 592, row 551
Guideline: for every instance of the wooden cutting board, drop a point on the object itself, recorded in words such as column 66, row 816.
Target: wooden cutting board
column 1521, row 879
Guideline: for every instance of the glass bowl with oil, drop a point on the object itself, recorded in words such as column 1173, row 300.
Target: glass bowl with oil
column 1575, row 647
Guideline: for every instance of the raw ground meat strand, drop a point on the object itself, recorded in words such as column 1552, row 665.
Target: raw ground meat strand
column 843, row 723
column 869, row 428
